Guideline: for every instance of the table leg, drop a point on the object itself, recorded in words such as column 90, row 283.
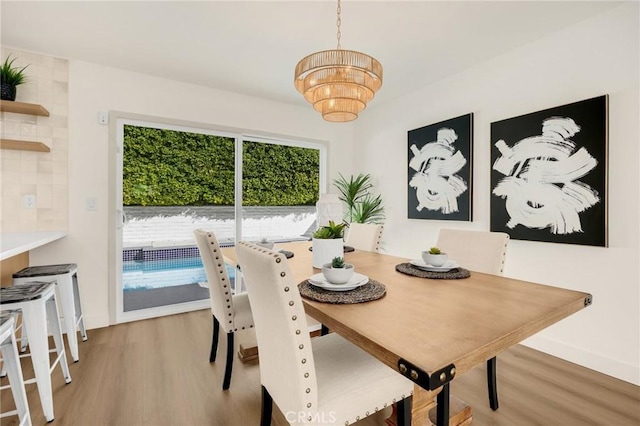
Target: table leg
column 442, row 416
column 424, row 409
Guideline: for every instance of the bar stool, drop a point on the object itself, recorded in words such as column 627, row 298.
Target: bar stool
column 37, row 302
column 14, row 370
column 66, row 277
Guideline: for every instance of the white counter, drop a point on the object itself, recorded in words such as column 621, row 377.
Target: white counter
column 12, row 243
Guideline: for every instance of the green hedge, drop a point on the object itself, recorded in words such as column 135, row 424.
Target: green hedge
column 172, row 168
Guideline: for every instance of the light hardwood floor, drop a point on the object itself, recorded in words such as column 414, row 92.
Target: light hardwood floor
column 156, row 372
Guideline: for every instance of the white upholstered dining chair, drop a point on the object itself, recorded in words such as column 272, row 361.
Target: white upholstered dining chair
column 230, row 311
column 322, row 380
column 479, row 251
column 364, row 236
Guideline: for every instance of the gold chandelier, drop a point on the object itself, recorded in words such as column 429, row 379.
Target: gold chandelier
column 338, row 83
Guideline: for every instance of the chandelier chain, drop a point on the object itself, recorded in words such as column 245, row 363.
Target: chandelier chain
column 338, row 23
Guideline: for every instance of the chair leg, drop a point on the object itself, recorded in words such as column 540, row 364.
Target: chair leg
column 267, row 408
column 324, row 330
column 214, row 339
column 403, row 410
column 492, row 383
column 229, row 367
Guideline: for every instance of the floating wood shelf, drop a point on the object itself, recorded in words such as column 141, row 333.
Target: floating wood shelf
column 23, row 145
column 23, row 108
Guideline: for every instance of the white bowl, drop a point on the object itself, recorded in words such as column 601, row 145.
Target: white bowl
column 337, row 275
column 434, row 259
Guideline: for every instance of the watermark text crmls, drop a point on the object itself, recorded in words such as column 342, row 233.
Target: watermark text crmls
column 320, row 417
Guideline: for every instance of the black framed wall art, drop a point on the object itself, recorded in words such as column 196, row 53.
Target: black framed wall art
column 440, row 170
column 549, row 174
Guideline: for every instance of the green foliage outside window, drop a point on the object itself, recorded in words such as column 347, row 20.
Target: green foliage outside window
column 172, row 168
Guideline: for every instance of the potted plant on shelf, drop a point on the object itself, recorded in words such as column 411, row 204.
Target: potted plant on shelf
column 328, row 243
column 337, row 272
column 10, row 77
column 434, row 257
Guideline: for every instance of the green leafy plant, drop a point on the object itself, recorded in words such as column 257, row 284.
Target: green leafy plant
column 369, row 210
column 435, row 250
column 13, row 76
column 337, row 262
column 174, row 168
column 331, row 231
column 362, row 206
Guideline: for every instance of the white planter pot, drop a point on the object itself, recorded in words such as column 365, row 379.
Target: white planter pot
column 325, row 250
column 337, row 275
column 434, row 259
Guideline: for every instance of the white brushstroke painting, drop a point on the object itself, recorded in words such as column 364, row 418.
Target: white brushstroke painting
column 540, row 187
column 435, row 181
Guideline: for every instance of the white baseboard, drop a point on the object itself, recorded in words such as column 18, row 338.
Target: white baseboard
column 611, row 367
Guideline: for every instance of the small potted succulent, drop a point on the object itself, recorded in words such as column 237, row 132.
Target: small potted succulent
column 434, row 257
column 10, row 77
column 337, row 272
column 265, row 243
column 328, row 243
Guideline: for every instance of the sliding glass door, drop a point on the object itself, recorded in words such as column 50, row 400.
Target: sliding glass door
column 280, row 186
column 173, row 179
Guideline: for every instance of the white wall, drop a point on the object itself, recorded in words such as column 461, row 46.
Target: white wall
column 43, row 174
column 595, row 57
column 94, row 88
column 590, row 59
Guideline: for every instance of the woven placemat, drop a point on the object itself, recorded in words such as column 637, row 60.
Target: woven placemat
column 454, row 274
column 373, row 290
column 288, row 254
column 346, row 249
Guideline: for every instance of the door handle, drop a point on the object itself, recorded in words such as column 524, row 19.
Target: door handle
column 122, row 218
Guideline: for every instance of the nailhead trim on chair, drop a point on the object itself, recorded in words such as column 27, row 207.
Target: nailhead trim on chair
column 504, row 253
column 293, row 317
column 379, row 238
column 301, row 346
column 221, row 272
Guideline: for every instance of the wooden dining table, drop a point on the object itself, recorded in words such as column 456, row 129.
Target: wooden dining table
column 434, row 330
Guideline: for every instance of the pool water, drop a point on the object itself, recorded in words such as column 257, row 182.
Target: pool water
column 149, row 274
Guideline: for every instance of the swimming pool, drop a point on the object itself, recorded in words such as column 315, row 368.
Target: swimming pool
column 146, row 274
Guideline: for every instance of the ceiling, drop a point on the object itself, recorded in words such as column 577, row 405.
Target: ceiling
column 252, row 47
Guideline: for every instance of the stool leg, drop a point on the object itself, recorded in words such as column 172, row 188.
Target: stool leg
column 68, row 308
column 35, row 322
column 24, row 339
column 79, row 313
column 14, row 371
column 54, row 324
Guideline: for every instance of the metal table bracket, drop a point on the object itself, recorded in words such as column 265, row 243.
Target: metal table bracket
column 424, row 380
column 432, row 381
